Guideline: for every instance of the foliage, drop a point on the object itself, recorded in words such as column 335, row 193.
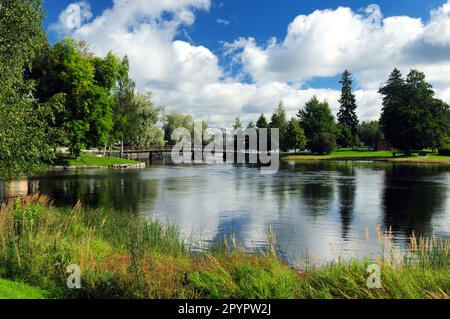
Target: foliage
column 318, row 122
column 23, row 135
column 295, row 135
column 412, row 118
column 144, row 131
column 279, row 120
column 347, row 113
column 237, row 124
column 343, row 153
column 176, row 120
column 123, row 106
column 345, row 138
column 370, row 133
column 262, row 122
column 322, row 143
column 91, row 160
column 87, row 82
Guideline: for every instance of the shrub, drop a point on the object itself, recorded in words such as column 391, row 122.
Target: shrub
column 323, row 143
column 444, row 152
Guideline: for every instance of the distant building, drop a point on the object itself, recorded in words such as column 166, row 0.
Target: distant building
column 383, row 145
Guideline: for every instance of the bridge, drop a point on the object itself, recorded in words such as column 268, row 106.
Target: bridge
column 230, row 146
column 158, row 153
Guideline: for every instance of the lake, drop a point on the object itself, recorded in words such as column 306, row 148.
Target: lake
column 317, row 209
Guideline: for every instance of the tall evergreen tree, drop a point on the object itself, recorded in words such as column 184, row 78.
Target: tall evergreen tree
column 391, row 120
column 347, row 113
column 279, row 120
column 262, row 122
column 237, row 124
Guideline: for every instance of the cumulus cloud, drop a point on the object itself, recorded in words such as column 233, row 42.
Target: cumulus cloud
column 325, row 42
column 188, row 78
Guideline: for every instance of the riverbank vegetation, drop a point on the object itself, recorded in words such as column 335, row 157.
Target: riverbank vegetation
column 365, row 154
column 90, row 160
column 122, row 256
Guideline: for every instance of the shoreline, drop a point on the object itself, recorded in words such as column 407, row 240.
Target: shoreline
column 88, row 167
column 394, row 160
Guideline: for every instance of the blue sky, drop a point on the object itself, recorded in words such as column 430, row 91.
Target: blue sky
column 256, row 18
column 248, row 26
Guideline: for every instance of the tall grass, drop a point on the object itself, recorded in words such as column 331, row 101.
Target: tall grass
column 123, row 256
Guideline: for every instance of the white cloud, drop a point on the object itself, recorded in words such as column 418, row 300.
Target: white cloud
column 327, row 41
column 223, row 21
column 187, row 77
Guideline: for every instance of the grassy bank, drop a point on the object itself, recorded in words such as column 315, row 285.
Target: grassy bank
column 91, row 160
column 388, row 156
column 15, row 290
column 121, row 256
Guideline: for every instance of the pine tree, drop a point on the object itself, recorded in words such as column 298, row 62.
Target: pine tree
column 347, row 113
column 262, row 122
column 279, row 120
column 237, row 124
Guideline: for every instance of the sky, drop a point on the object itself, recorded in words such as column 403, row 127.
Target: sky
column 218, row 59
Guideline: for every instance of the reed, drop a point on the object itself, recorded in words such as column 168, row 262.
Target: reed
column 123, row 256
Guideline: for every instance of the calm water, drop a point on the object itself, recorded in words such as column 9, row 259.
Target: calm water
column 323, row 209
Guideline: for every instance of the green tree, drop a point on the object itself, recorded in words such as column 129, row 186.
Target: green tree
column 322, row 143
column 347, row 113
column 237, row 124
column 317, row 120
column 87, row 82
column 176, row 120
column 124, row 107
column 412, row 118
column 345, row 137
column 23, row 135
column 262, row 122
column 147, row 133
column 279, row 120
column 295, row 135
column 370, row 133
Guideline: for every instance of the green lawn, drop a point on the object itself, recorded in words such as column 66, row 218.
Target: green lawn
column 365, row 154
column 91, row 160
column 14, row 290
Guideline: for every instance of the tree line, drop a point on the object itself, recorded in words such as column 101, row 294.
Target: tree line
column 412, row 118
column 54, row 95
